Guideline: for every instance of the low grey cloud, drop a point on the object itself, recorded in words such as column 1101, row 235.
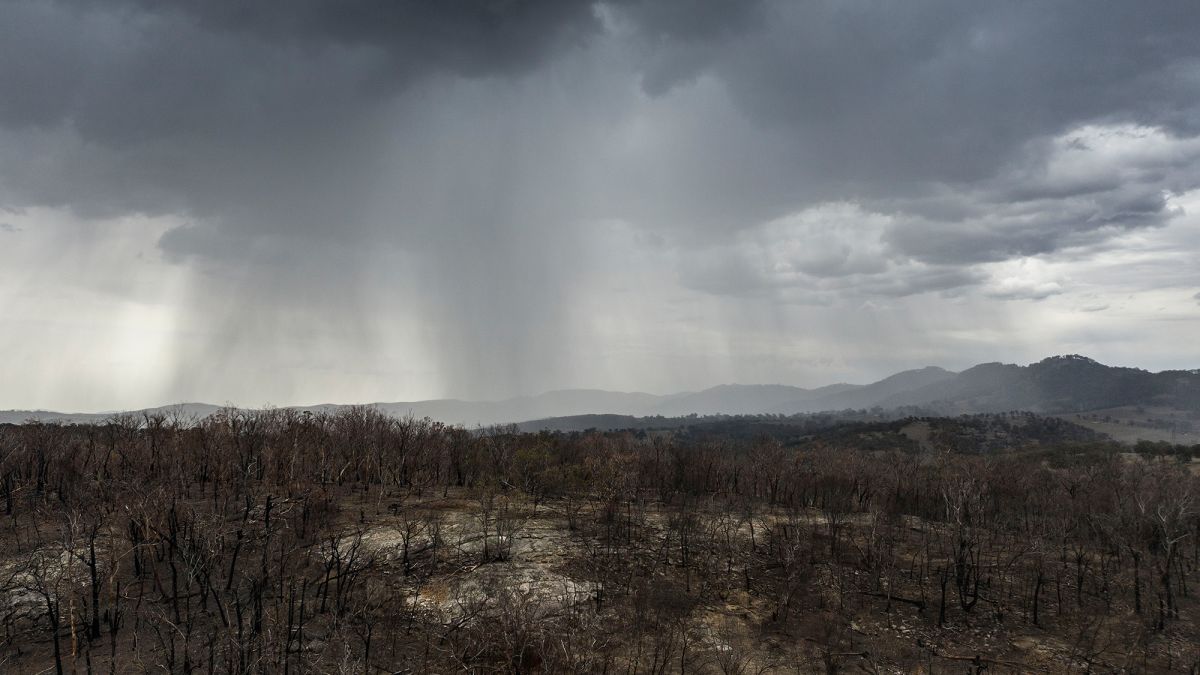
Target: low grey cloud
column 1025, row 290
column 1075, row 190
column 1078, row 188
column 819, row 254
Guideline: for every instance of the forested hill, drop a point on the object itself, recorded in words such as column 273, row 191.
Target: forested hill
column 1059, row 384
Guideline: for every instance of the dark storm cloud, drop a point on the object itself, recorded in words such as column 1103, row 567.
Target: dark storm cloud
column 679, row 34
column 211, row 106
column 464, row 36
column 946, row 90
column 809, row 152
column 215, row 106
column 877, row 100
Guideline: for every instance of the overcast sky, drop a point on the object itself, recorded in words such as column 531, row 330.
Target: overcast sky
column 379, row 200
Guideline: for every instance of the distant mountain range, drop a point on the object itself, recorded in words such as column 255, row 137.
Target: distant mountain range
column 1059, row 384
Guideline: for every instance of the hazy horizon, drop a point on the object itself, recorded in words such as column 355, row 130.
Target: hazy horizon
column 250, row 405
column 211, row 201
